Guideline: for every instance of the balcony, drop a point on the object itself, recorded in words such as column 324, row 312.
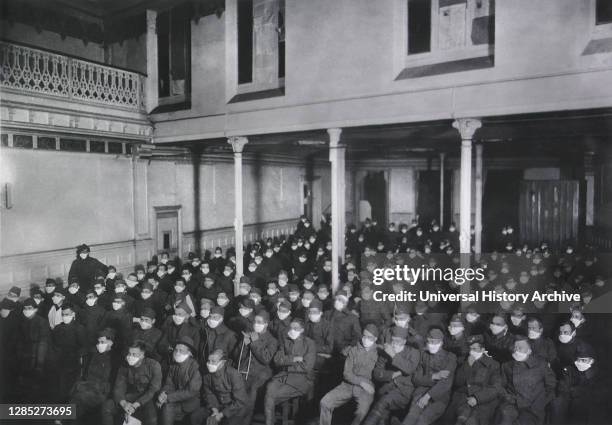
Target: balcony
column 26, row 70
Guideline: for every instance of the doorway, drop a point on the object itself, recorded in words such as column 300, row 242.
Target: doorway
column 167, row 227
column 428, row 196
column 500, row 202
column 375, row 192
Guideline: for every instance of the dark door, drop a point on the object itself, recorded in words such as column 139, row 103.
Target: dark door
column 428, row 197
column 375, row 192
column 499, row 204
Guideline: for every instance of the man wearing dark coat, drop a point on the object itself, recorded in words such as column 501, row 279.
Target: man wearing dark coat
column 85, row 268
column 216, row 335
column 477, row 387
column 31, row 349
column 528, row 386
column 68, row 347
column 180, row 394
column 224, row 398
column 296, row 359
column 254, row 359
column 137, row 383
column 90, row 392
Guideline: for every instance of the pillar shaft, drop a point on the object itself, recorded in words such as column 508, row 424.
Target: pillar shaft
column 238, row 145
column 478, row 200
column 442, row 190
column 467, row 127
column 151, row 83
column 337, row 158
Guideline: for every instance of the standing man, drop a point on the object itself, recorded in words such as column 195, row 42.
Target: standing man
column 296, row 359
column 357, row 383
column 137, row 383
column 85, row 268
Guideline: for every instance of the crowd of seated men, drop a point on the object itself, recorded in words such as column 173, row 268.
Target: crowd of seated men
column 188, row 342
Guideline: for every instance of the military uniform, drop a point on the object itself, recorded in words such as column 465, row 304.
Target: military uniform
column 395, row 393
column 182, row 387
column 93, row 389
column 528, row 387
column 481, row 380
column 225, row 391
column 439, row 390
column 358, row 368
column 135, row 384
column 296, row 378
column 254, row 363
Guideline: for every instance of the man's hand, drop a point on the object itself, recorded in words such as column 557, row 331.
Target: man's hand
column 389, row 350
column 218, row 416
column 443, row 374
column 298, row 359
column 162, row 397
column 396, row 374
column 423, row 401
column 471, row 401
column 368, row 388
column 247, row 338
column 254, row 336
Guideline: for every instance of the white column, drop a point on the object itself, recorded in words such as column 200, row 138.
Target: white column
column 238, row 145
column 467, row 127
column 442, row 154
column 336, row 156
column 151, row 82
column 478, row 200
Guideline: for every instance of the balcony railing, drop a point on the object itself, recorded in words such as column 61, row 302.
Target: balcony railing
column 33, row 70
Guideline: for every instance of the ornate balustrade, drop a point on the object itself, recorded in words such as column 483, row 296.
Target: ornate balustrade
column 27, row 69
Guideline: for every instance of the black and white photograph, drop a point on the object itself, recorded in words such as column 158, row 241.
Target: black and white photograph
column 305, row 212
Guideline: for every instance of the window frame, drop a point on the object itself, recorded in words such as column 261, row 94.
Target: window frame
column 599, row 31
column 403, row 60
column 174, row 99
column 236, row 91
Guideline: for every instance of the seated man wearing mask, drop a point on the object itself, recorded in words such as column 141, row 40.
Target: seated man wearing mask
column 90, row 393
column 433, row 380
column 224, row 398
column 176, row 327
column 528, row 385
column 580, row 397
column 395, row 370
column 180, row 394
column 255, row 359
column 216, row 335
column 296, row 359
column 146, row 332
column 357, row 383
column 137, row 383
column 476, row 388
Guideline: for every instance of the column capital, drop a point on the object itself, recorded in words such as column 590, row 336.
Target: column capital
column 334, row 137
column 237, row 143
column 467, row 127
column 151, row 20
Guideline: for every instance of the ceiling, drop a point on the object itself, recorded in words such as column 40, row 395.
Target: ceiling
column 558, row 135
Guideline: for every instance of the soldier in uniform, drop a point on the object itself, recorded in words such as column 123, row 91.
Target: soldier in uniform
column 433, row 380
column 528, row 386
column 224, row 398
column 476, row 388
column 296, row 359
column 136, row 385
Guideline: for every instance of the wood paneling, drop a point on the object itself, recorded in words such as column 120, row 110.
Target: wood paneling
column 549, row 211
